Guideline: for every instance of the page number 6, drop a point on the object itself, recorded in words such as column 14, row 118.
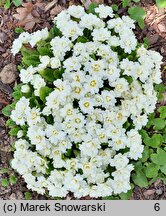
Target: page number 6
column 157, row 206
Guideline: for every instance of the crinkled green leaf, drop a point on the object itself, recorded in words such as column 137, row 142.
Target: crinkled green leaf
column 48, row 74
column 138, row 14
column 12, row 179
column 17, row 2
column 18, row 30
column 31, row 60
column 82, row 39
column 162, row 111
column 163, row 169
column 140, row 179
column 91, row 8
column 44, row 92
column 145, row 154
column 154, row 141
column 4, row 182
column 44, row 51
column 159, row 158
column 161, row 3
column 14, row 131
column 151, row 170
column 7, row 4
column 150, row 120
column 7, row 110
column 126, row 196
column 114, row 7
column 10, row 123
column 159, row 123
column 26, row 52
column 28, row 196
column 160, row 89
column 125, row 3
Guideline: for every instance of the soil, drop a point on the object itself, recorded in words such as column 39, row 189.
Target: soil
column 41, row 14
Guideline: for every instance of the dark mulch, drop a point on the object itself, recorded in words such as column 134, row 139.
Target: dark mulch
column 155, row 31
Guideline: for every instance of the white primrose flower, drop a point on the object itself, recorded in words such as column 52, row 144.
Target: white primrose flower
column 104, row 11
column 76, row 11
column 26, row 76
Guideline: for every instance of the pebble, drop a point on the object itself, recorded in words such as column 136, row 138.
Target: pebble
column 9, row 74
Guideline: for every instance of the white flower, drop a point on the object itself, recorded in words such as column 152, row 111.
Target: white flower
column 55, row 62
column 104, row 11
column 76, row 11
column 101, row 34
column 25, row 89
column 86, row 105
column 33, row 116
column 37, row 36
column 27, row 75
column 17, row 44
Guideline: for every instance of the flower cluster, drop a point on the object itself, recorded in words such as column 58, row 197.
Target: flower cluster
column 97, row 107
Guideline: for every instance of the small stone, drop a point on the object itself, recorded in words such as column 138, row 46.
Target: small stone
column 13, row 196
column 162, row 27
column 20, row 195
column 159, row 191
column 149, row 192
column 2, row 37
column 9, row 74
column 153, row 39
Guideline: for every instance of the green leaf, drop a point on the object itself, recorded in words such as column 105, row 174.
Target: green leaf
column 31, row 60
column 161, row 3
column 44, row 92
column 10, row 123
column 17, row 95
column 125, row 3
column 144, row 134
column 48, row 74
column 159, row 158
column 126, row 196
column 17, row 2
column 160, row 89
column 159, row 124
column 27, row 195
column 110, row 198
column 114, row 7
column 150, row 120
column 146, row 42
column 136, row 1
column 54, row 32
column 18, row 30
column 145, row 154
column 4, row 182
column 163, row 169
column 141, row 23
column 7, row 110
column 12, row 179
column 91, row 8
column 26, row 51
column 154, row 141
column 162, row 111
column 44, row 51
column 82, row 39
column 138, row 14
column 151, row 170
column 14, row 131
column 7, row 4
column 140, row 179
column 4, row 171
